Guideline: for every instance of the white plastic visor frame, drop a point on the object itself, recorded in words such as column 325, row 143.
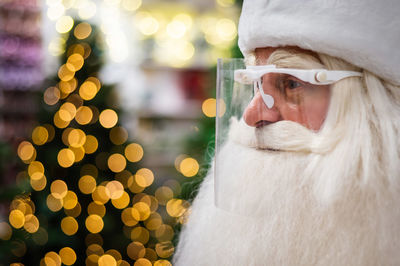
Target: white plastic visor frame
column 314, row 76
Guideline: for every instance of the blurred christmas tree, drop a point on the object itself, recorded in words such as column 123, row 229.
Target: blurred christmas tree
column 88, row 200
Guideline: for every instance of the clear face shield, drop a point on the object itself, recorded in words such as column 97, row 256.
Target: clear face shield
column 257, row 96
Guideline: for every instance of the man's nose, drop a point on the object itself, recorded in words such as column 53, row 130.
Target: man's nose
column 257, row 111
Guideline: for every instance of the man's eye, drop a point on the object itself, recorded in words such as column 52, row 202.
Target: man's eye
column 293, row 84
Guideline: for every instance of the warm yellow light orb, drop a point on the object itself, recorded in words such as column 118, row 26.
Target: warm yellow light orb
column 82, row 30
column 40, row 135
column 68, row 256
column 189, row 167
column 116, row 162
column 87, row 184
column 94, row 223
column 59, row 189
column 108, row 118
column 66, row 158
column 16, row 219
column 134, row 152
column 69, row 225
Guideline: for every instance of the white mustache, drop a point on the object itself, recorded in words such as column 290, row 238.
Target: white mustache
column 279, row 136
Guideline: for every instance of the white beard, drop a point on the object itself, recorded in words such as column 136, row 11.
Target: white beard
column 274, row 211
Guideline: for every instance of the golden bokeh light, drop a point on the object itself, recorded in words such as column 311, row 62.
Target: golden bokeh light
column 82, row 30
column 66, row 87
column 26, row 151
column 153, row 222
column 54, row 204
column 165, row 249
column 143, row 210
column 58, row 189
column 177, row 207
column 189, row 167
column 129, row 217
column 98, row 209
column 52, row 258
column 121, row 202
column 36, row 170
column 79, row 153
column 94, row 239
column 67, row 255
column 58, row 122
column 142, row 262
column 69, row 226
column 76, row 48
column 65, row 74
column 151, row 254
column 76, row 138
column 107, row 260
column 136, row 250
column 87, row 184
column 38, row 184
column 75, row 211
column 118, row 135
column 108, row 118
column 115, row 253
column 133, row 186
column 94, row 249
column 67, row 111
column 51, row 96
column 164, row 194
column 209, row 107
column 95, row 81
column 164, row 233
column 162, row 263
column 91, row 144
column 76, row 100
column 116, row 162
column 100, row 196
column 88, row 90
column 40, row 135
column 114, row 189
column 92, row 260
column 94, row 223
column 83, row 115
column 66, row 158
column 133, row 152
column 144, row 177
column 31, row 223
column 151, row 201
column 16, row 219
column 75, row 62
column 64, row 24
column 140, row 234
column 70, row 200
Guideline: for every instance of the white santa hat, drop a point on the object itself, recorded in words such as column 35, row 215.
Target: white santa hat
column 365, row 33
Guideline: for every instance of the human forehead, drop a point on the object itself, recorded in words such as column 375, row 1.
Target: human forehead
column 262, row 54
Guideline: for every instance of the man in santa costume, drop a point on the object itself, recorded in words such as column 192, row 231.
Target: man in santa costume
column 309, row 172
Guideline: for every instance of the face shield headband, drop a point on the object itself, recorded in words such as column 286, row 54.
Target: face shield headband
column 253, row 75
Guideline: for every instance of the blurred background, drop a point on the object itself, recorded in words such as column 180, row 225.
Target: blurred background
column 107, row 113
